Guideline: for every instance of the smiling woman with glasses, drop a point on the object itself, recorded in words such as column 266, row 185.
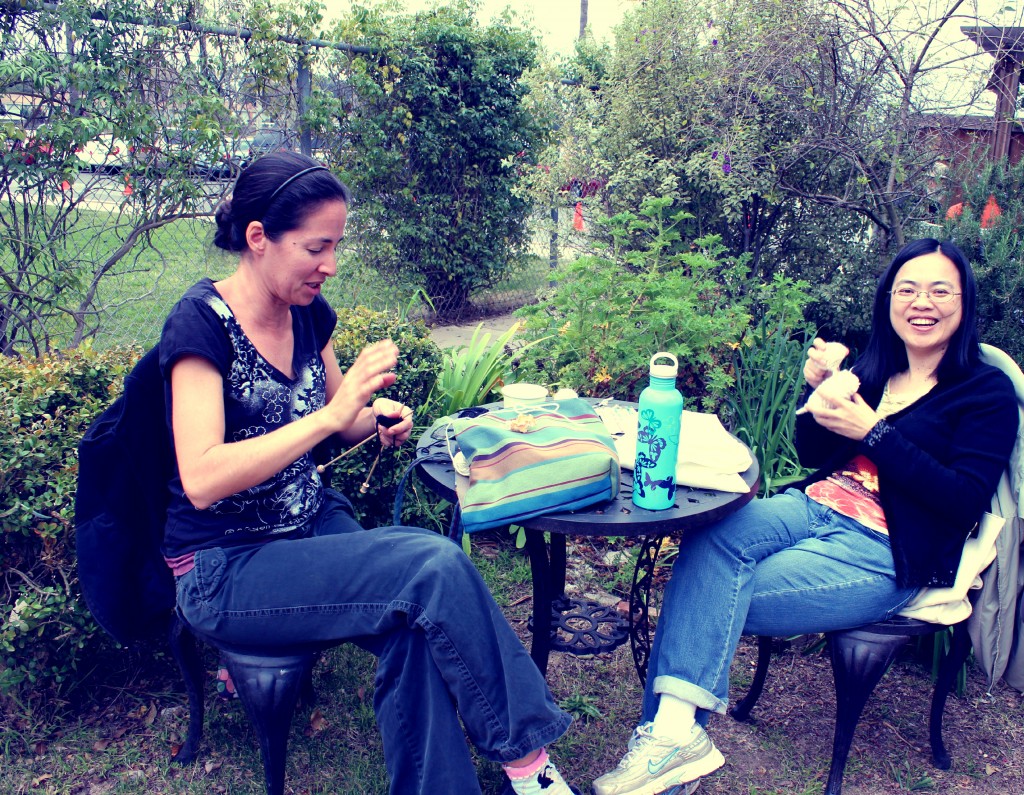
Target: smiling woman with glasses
column 904, row 469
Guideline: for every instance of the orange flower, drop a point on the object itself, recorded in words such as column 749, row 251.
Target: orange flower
column 990, row 213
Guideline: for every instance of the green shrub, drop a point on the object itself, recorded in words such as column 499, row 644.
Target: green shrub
column 438, row 135
column 45, row 407
column 653, row 292
column 995, row 252
column 418, row 364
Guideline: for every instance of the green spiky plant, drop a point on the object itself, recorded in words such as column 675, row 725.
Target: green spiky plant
column 471, row 375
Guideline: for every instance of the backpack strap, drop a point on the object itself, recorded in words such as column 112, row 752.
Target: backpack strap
column 455, row 529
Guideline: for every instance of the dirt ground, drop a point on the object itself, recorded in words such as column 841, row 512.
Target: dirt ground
column 121, row 739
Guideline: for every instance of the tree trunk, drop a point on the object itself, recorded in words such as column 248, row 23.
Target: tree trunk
column 584, row 8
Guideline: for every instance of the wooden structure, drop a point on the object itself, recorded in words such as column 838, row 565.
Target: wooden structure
column 1006, row 45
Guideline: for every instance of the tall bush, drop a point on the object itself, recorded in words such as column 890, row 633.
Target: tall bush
column 994, row 247
column 433, row 144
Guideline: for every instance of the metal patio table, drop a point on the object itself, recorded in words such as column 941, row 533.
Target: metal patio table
column 574, row 625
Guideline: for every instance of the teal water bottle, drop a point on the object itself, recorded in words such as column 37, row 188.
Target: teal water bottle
column 657, row 438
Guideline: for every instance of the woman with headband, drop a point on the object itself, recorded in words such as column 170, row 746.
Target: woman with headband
column 263, row 552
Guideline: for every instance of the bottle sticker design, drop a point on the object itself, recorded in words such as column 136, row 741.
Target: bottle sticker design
column 647, row 459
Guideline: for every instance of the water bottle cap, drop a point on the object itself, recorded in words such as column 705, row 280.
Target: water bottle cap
column 664, row 370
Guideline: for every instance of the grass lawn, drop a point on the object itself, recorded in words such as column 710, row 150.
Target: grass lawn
column 135, row 296
column 131, row 718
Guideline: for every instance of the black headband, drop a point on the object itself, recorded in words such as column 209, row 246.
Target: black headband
column 292, row 179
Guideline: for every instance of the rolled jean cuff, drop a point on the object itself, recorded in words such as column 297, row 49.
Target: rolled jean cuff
column 689, row 692
column 540, row 737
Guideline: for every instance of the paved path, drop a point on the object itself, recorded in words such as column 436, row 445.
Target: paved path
column 460, row 335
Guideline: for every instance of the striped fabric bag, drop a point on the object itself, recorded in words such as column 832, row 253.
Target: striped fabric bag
column 522, row 463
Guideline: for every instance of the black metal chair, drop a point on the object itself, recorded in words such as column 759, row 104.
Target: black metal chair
column 860, row 657
column 270, row 682
column 120, row 511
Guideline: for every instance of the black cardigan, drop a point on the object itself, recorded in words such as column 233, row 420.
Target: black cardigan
column 939, row 461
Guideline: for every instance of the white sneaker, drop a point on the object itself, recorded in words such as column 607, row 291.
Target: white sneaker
column 682, row 789
column 655, row 764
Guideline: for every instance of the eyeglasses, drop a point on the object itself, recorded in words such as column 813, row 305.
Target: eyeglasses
column 937, row 295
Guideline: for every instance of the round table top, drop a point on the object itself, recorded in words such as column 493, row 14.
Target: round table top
column 693, row 507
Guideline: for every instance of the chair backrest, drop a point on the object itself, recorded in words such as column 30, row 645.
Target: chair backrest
column 994, row 624
column 121, row 508
column 997, row 358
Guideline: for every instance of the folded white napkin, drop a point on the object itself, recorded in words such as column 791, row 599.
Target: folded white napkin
column 709, row 456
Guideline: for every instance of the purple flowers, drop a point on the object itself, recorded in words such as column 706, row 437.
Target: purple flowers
column 726, row 165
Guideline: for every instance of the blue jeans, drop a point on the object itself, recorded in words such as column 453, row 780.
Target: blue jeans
column 781, row 566
column 414, row 599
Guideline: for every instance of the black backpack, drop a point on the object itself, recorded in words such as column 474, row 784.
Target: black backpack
column 121, row 506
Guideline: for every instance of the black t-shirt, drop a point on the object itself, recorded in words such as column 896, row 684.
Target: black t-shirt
column 258, row 399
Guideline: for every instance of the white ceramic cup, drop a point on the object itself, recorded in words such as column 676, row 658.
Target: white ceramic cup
column 516, row 395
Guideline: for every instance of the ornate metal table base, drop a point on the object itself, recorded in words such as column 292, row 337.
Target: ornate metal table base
column 640, row 604
column 583, row 627
column 586, row 629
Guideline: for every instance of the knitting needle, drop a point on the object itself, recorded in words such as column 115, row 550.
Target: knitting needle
column 322, row 467
column 380, row 420
column 366, row 483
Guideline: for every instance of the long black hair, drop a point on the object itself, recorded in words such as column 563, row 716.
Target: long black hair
column 280, row 190
column 886, row 354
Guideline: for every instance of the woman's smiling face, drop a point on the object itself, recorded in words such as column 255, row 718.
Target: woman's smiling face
column 301, row 260
column 924, row 325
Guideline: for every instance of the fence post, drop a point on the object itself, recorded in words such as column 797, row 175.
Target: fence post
column 553, row 249
column 302, row 83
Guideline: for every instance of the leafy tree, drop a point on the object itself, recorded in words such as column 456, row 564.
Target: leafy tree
column 789, row 129
column 435, row 140
column 161, row 102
